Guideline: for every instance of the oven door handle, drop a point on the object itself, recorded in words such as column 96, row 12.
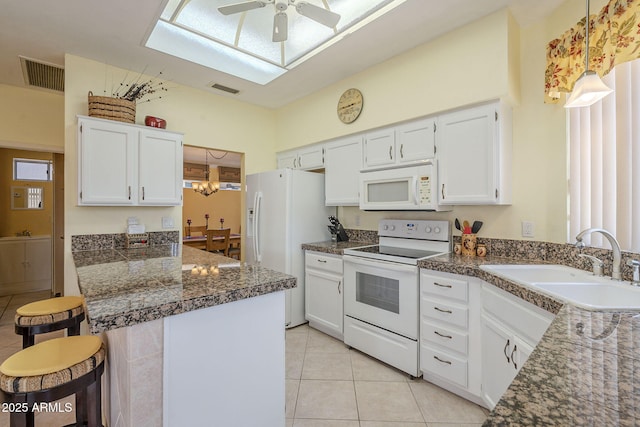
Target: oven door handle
column 389, row 266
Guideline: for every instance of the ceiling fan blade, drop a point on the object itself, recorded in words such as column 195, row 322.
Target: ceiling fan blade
column 280, row 27
column 241, row 7
column 318, row 14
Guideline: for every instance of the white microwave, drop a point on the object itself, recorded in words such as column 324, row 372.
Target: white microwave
column 399, row 189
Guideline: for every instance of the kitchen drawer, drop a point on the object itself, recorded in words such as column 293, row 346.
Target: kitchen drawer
column 443, row 286
column 443, row 364
column 444, row 311
column 445, row 337
column 324, row 262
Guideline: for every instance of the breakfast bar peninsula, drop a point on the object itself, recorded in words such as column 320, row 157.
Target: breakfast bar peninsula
column 193, row 338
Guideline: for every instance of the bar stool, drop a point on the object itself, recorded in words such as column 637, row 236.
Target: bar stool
column 49, row 315
column 52, row 370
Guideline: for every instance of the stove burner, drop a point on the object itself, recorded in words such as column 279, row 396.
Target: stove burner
column 397, row 252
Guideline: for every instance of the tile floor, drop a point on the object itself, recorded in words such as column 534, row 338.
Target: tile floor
column 327, row 384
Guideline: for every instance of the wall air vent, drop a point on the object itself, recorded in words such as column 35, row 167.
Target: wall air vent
column 225, row 88
column 42, row 74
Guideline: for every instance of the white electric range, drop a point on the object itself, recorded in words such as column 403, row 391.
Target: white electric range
column 381, row 289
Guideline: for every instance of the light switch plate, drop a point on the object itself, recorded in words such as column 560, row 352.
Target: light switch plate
column 527, row 229
column 167, row 222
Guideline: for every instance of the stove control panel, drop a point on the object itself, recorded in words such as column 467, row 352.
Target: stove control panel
column 415, row 229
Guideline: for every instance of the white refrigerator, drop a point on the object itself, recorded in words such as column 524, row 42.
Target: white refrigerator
column 285, row 208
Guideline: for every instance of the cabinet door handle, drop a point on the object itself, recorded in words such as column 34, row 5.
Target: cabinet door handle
column 442, row 286
column 442, row 335
column 442, row 361
column 442, row 311
column 142, row 193
column 442, row 191
column 401, row 153
column 390, row 149
column 515, row 348
column 294, row 163
column 129, row 192
column 339, row 285
column 299, row 162
column 504, row 351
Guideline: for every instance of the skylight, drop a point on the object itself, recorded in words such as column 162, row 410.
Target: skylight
column 241, row 43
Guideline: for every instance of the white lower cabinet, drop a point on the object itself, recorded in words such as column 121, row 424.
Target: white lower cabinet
column 324, row 293
column 511, row 328
column 450, row 332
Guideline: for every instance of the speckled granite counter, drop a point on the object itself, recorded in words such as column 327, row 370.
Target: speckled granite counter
column 125, row 287
column 336, row 248
column 583, row 370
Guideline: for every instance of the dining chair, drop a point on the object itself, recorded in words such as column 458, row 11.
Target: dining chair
column 201, row 229
column 218, row 240
column 235, row 251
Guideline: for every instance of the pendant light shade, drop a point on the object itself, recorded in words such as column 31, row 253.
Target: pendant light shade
column 589, row 88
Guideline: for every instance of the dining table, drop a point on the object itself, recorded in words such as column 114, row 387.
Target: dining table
column 201, row 241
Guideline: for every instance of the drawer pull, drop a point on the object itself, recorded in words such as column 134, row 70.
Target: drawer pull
column 442, row 286
column 441, row 335
column 322, row 260
column 504, row 351
column 442, row 361
column 442, row 311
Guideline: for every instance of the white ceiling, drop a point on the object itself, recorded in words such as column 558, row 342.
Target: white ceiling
column 114, row 32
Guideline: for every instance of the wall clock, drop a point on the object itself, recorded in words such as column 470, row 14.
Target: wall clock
column 350, row 105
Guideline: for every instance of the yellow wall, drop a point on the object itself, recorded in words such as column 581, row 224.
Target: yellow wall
column 488, row 59
column 31, row 117
column 37, row 221
column 207, row 120
column 223, row 204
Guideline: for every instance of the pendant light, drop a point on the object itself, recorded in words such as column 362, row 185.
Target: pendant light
column 206, row 188
column 589, row 88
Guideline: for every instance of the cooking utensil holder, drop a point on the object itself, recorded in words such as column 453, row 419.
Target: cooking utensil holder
column 469, row 244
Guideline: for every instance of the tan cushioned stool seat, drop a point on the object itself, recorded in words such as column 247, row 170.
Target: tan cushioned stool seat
column 49, row 311
column 51, row 363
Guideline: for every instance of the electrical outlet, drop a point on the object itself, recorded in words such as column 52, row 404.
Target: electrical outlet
column 167, row 222
column 357, row 220
column 527, row 229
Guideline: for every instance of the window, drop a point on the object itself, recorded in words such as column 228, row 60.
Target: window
column 604, row 162
column 32, row 170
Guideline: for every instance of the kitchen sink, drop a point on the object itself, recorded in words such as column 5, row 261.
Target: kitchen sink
column 572, row 285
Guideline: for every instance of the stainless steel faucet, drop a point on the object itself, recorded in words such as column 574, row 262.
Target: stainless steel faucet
column 617, row 255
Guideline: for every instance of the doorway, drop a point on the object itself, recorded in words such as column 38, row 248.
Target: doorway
column 213, row 195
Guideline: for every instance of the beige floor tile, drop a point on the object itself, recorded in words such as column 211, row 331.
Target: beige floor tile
column 386, row 401
column 288, row 422
column 366, row 368
column 391, row 424
column 440, row 406
column 6, row 351
column 326, row 423
column 328, row 400
column 323, row 343
column 8, row 336
column 327, row 366
column 27, row 297
column 296, row 343
column 4, row 302
column 291, row 397
column 293, row 365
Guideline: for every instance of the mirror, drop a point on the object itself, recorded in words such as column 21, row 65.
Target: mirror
column 27, row 197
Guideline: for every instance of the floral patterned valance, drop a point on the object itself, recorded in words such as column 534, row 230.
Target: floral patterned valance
column 614, row 38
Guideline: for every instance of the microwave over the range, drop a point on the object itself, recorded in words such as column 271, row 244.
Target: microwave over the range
column 403, row 188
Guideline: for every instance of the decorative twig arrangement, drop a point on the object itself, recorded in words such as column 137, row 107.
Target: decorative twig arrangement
column 136, row 90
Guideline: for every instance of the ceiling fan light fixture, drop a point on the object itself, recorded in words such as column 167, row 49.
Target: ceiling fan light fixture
column 589, row 88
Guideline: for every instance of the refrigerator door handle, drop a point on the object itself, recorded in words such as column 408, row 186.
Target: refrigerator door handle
column 256, row 227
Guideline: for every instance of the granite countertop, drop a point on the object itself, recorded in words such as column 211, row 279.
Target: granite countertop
column 124, row 287
column 582, row 372
column 336, row 248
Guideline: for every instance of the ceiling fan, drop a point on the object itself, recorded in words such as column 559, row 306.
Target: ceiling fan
column 280, row 24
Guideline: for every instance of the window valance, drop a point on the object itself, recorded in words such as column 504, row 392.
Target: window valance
column 614, row 38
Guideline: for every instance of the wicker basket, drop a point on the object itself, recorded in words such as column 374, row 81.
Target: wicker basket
column 105, row 107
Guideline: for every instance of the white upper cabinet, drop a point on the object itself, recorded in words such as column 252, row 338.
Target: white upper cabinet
column 121, row 164
column 415, row 141
column 379, row 149
column 308, row 158
column 474, row 156
column 343, row 161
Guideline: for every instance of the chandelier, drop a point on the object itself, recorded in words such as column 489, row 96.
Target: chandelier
column 206, row 187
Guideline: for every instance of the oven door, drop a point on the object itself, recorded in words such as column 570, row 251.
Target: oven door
column 405, row 188
column 384, row 294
